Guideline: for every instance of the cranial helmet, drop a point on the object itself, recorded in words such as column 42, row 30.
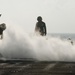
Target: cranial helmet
column 39, row 18
column 3, row 26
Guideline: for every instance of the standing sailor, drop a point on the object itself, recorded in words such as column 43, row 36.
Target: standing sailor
column 40, row 27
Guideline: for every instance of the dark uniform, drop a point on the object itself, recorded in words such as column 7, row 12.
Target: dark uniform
column 2, row 28
column 1, row 31
column 0, row 15
column 41, row 27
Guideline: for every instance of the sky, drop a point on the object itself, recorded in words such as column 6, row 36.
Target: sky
column 59, row 15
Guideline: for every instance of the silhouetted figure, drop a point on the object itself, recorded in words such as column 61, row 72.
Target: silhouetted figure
column 70, row 40
column 40, row 27
column 2, row 28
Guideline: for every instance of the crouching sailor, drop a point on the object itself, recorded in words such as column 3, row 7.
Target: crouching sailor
column 2, row 28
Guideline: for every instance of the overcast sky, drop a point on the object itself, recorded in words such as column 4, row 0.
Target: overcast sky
column 59, row 15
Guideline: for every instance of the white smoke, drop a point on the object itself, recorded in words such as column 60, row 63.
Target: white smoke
column 19, row 44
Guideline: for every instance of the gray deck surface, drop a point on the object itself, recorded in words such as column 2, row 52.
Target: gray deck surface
column 36, row 68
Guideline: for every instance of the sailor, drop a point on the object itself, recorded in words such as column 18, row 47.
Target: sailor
column 40, row 26
column 2, row 28
column 70, row 41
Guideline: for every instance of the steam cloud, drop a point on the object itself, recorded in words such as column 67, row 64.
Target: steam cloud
column 19, row 44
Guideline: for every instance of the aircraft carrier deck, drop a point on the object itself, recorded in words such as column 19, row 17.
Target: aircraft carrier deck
column 30, row 67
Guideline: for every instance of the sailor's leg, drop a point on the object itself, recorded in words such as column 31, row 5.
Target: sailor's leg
column 2, row 36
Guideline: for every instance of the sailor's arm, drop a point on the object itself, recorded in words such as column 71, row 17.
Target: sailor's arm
column 45, row 29
column 36, row 28
column 0, row 15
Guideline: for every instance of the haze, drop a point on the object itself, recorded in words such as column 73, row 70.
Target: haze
column 59, row 15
